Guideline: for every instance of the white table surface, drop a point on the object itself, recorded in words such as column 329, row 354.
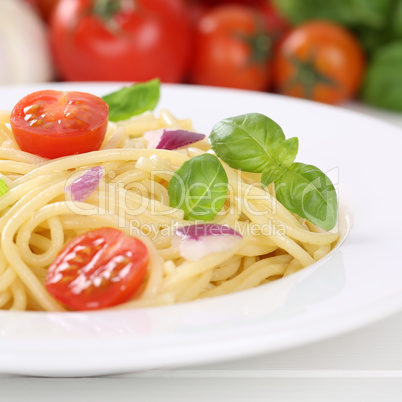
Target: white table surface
column 363, row 365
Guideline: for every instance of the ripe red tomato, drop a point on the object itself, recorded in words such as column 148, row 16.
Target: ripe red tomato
column 99, row 269
column 121, row 40
column 319, row 60
column 232, row 48
column 275, row 23
column 54, row 123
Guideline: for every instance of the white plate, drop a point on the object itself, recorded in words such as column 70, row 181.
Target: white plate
column 361, row 281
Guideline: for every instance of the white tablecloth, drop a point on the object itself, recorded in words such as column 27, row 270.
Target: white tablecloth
column 363, row 365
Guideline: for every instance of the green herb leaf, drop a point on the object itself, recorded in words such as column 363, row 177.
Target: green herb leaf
column 306, row 191
column 199, row 187
column 271, row 173
column 287, row 151
column 3, row 187
column 247, row 142
column 133, row 100
column 255, row 143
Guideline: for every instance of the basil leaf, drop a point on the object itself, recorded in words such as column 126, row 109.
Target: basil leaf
column 133, row 100
column 271, row 174
column 247, row 142
column 3, row 187
column 199, row 187
column 287, row 151
column 306, row 191
column 255, row 143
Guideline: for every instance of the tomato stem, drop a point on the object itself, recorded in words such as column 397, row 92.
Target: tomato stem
column 307, row 75
column 260, row 45
column 259, row 42
column 106, row 9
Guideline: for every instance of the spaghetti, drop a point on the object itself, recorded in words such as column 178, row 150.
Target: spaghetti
column 37, row 219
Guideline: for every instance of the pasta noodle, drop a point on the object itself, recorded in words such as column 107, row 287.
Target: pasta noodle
column 37, row 219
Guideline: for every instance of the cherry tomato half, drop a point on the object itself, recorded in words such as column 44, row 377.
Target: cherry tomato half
column 54, row 123
column 319, row 60
column 121, row 40
column 99, row 269
column 232, row 48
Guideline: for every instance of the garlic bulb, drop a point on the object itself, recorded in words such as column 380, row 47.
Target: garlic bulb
column 24, row 50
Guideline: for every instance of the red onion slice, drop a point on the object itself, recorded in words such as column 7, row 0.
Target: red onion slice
column 81, row 188
column 171, row 139
column 197, row 241
column 154, row 137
